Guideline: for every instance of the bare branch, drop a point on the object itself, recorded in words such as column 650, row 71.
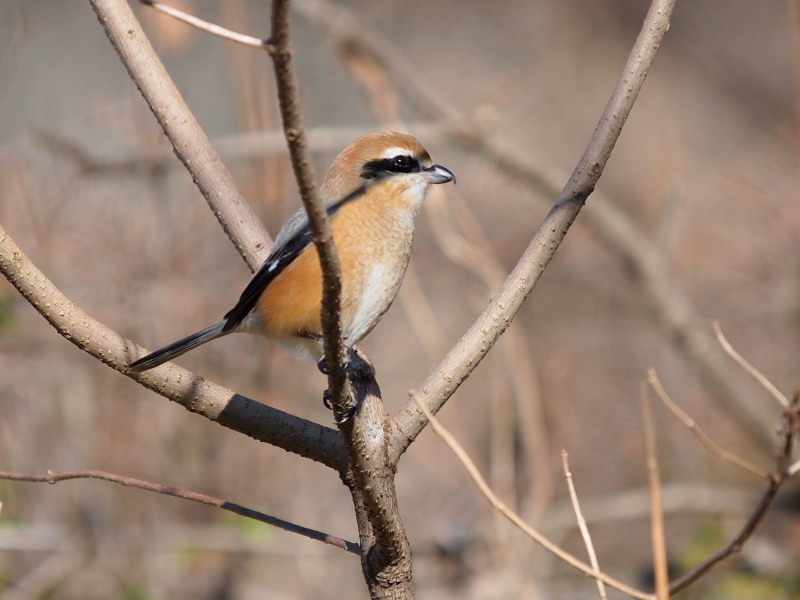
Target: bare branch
column 740, row 360
column 217, row 30
column 479, row 339
column 500, row 506
column 584, row 529
column 671, row 306
column 188, row 139
column 370, row 478
column 386, row 552
column 281, row 53
column 158, row 488
column 194, row 393
column 659, row 543
column 746, row 465
column 736, row 544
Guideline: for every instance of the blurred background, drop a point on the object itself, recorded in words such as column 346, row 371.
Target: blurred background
column 506, row 95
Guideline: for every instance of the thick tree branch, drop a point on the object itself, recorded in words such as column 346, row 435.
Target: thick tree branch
column 190, row 142
column 194, row 393
column 479, row 339
column 386, row 555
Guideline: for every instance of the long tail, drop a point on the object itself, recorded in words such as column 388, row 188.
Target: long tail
column 175, row 349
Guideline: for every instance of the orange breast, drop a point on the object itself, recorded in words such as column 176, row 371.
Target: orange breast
column 366, row 233
column 291, row 303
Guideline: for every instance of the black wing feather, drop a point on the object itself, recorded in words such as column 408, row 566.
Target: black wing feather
column 276, row 262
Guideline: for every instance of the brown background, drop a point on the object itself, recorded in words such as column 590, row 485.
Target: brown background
column 706, row 167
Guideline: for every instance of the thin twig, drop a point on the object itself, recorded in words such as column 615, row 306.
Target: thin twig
column 219, row 31
column 658, row 538
column 736, row 544
column 158, row 488
column 750, row 369
column 582, row 526
column 500, row 506
column 281, row 52
column 691, row 424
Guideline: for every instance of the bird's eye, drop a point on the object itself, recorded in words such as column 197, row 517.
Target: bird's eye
column 386, row 167
column 402, row 162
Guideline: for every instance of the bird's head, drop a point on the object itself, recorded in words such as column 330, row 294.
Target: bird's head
column 394, row 162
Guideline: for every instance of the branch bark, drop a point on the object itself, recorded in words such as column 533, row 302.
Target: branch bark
column 385, row 550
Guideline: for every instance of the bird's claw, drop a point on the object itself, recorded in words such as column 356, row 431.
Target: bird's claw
column 348, row 411
column 322, row 365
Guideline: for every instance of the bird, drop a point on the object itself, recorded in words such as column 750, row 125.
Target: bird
column 371, row 193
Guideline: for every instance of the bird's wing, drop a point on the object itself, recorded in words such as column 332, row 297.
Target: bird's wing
column 293, row 238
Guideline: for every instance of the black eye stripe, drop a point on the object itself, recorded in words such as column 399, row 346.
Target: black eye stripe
column 383, row 167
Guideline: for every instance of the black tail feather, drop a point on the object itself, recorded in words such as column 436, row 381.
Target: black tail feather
column 175, row 349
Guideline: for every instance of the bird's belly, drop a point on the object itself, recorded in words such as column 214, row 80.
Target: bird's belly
column 290, row 305
column 378, row 288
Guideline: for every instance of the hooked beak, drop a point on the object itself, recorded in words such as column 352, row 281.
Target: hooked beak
column 438, row 174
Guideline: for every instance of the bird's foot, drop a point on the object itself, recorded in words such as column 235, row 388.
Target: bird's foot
column 356, row 364
column 358, row 369
column 342, row 414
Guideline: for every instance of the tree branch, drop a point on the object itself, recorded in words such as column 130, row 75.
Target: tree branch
column 582, row 526
column 281, row 52
column 691, row 424
column 386, row 554
column 194, row 393
column 202, row 25
column 657, row 532
column 735, row 545
column 757, row 375
column 186, row 495
column 479, row 339
column 190, row 142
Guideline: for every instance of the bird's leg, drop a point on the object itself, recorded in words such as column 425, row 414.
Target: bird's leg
column 355, row 364
column 358, row 368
